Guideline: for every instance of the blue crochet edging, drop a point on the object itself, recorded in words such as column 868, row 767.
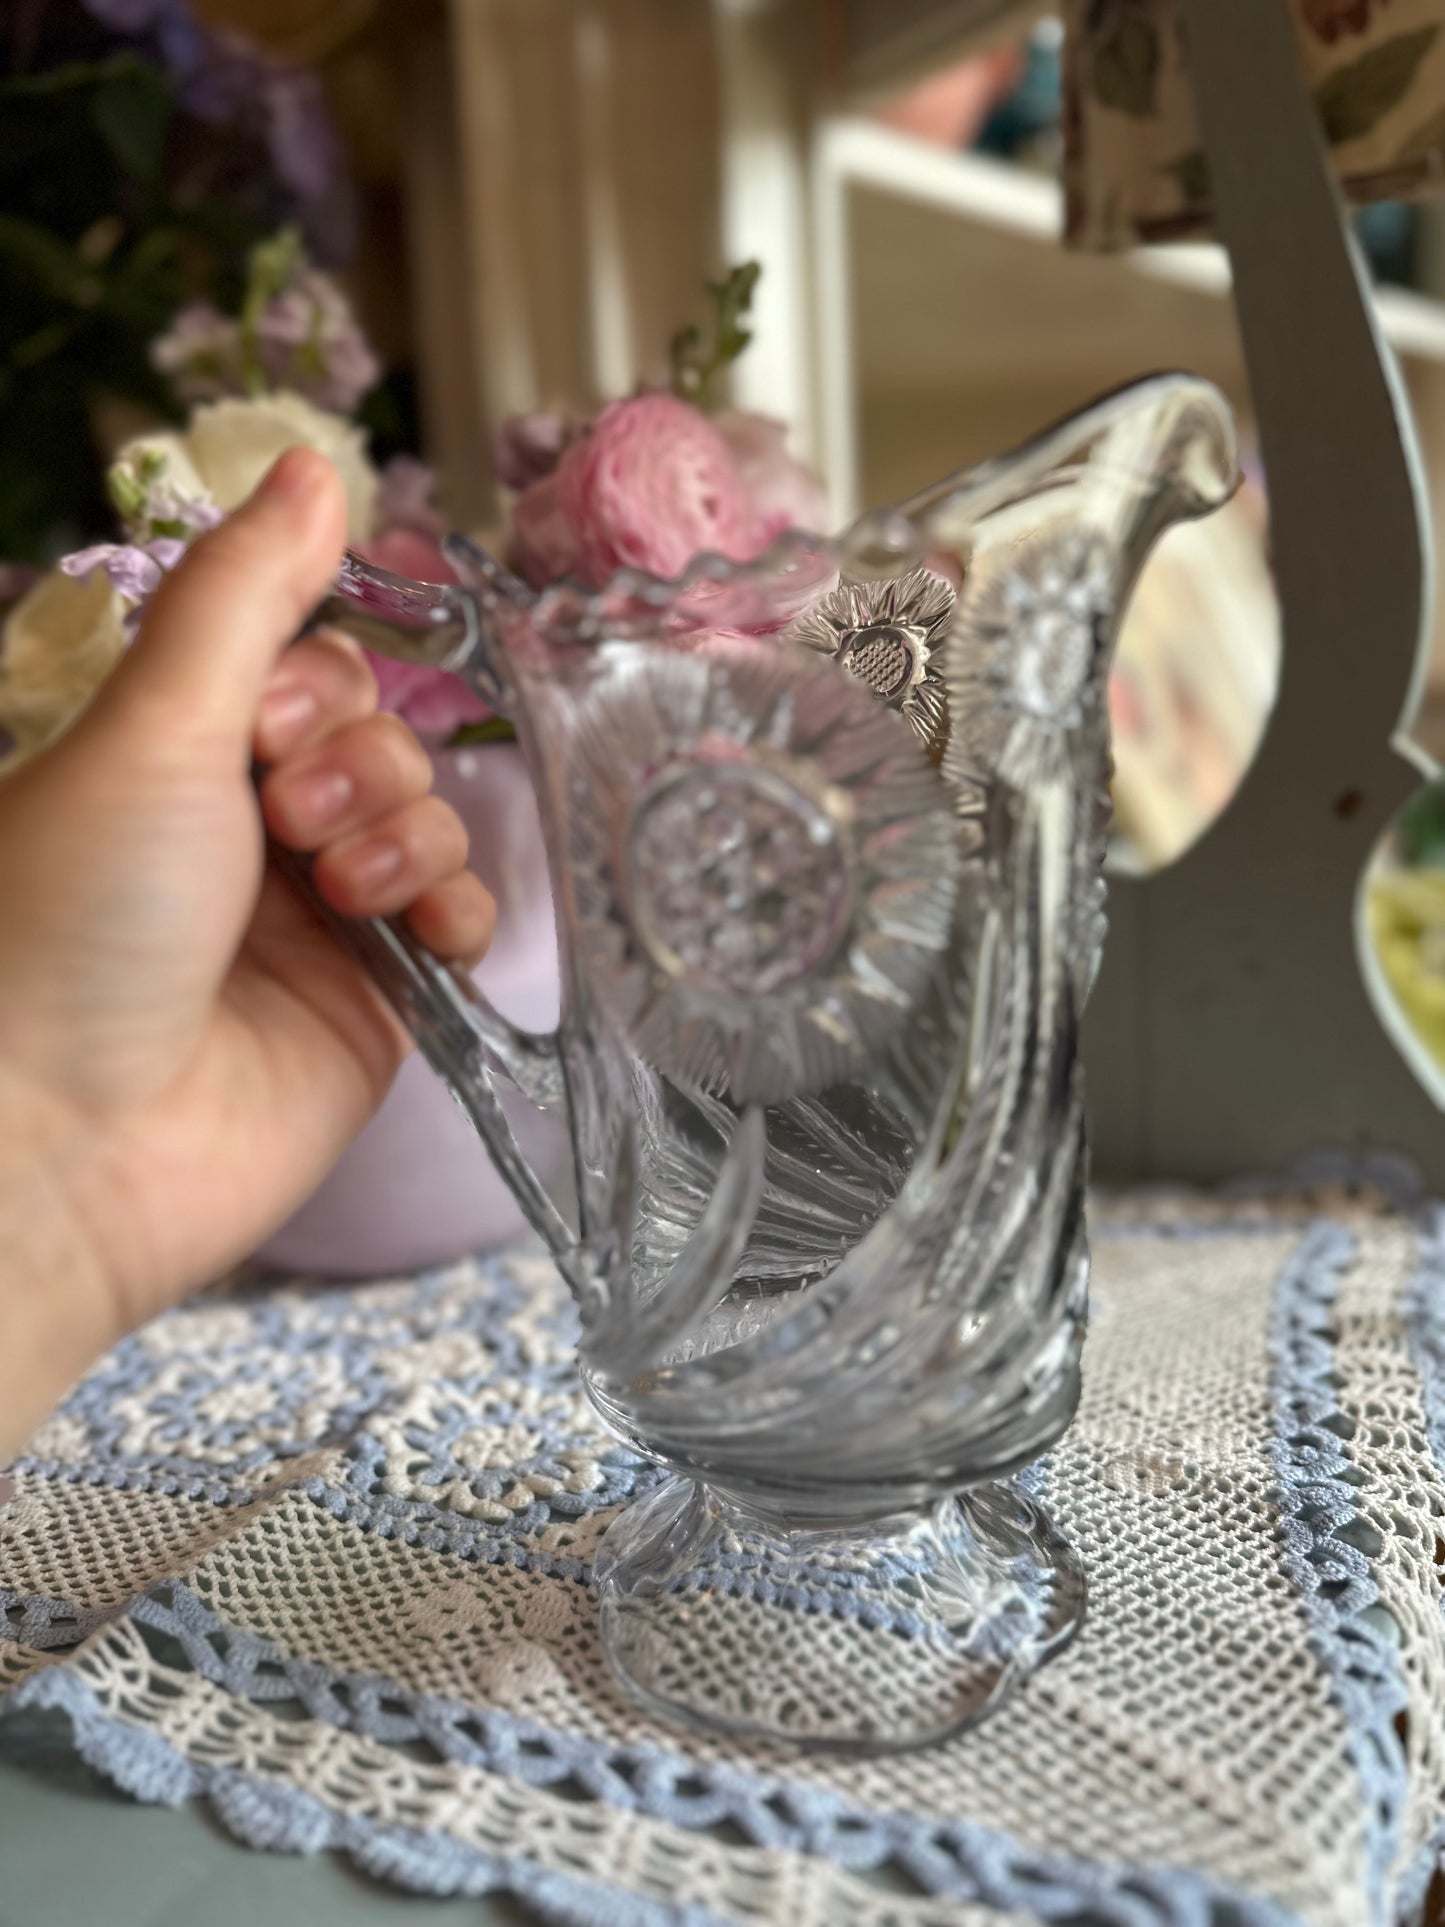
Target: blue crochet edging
column 1425, row 1325
column 1333, row 1577
column 283, row 1819
column 49, row 1625
column 958, row 1860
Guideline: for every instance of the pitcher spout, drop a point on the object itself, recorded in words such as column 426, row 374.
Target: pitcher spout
column 1133, row 463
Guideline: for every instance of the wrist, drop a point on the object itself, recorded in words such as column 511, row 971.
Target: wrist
column 57, row 1311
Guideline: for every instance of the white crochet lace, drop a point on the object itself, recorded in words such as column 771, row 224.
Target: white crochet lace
column 321, row 1556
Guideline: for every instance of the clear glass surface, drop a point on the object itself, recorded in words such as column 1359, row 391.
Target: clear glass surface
column 825, row 834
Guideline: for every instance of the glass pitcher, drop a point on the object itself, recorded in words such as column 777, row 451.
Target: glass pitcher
column 825, row 834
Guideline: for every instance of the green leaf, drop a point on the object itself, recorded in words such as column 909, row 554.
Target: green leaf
column 131, row 112
column 1126, row 65
column 47, row 260
column 1355, row 99
column 694, row 367
column 1192, row 172
column 1420, row 829
column 1423, row 141
column 73, row 77
column 45, row 342
column 271, row 267
column 496, row 729
column 29, row 139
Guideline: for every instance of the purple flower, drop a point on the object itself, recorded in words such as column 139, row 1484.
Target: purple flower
column 303, row 143
column 308, row 339
column 308, row 158
column 130, row 16
column 219, row 75
column 201, row 353
column 215, row 73
column 134, row 573
column 405, row 499
column 223, row 78
column 527, row 448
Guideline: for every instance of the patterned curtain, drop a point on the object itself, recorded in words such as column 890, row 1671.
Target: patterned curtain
column 1134, row 167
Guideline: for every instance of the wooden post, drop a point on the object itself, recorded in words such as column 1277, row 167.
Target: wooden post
column 1232, row 1028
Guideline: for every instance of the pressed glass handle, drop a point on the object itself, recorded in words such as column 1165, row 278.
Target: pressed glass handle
column 440, row 625
column 438, row 1002
column 459, row 1032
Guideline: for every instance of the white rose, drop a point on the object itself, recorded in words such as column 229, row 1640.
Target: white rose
column 60, row 642
column 229, row 445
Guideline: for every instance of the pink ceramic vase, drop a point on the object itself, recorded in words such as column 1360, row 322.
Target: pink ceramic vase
column 416, row 1188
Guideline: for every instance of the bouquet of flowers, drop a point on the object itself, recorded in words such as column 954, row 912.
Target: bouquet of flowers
column 649, row 482
column 143, row 152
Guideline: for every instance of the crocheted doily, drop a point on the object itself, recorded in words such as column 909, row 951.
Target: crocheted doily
column 321, row 1557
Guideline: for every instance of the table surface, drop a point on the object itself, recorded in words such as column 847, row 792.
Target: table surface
column 73, row 1850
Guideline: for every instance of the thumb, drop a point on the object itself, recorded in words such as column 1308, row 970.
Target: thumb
column 213, row 630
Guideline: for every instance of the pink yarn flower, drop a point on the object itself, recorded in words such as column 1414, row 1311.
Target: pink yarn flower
column 783, row 493
column 435, row 703
column 653, row 485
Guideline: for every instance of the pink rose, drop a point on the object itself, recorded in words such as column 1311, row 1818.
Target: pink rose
column 783, row 493
column 527, row 448
column 409, row 551
column 434, row 703
column 653, row 485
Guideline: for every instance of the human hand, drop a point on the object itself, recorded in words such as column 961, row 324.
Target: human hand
column 184, row 1051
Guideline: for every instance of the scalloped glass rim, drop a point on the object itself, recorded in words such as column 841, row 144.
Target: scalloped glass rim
column 760, row 593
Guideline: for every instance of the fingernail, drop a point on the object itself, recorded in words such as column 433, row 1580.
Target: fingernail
column 321, row 797
column 285, row 716
column 291, row 476
column 374, row 863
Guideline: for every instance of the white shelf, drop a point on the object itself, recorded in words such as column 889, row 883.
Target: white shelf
column 952, row 321
column 973, row 189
